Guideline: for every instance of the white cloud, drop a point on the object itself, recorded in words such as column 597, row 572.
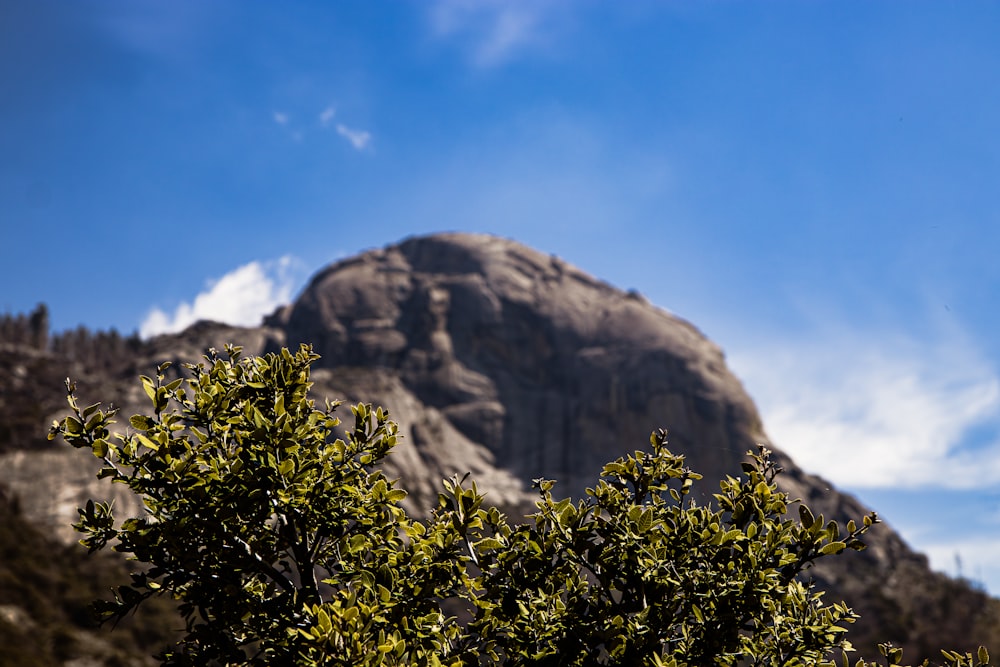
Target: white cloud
column 358, row 138
column 879, row 412
column 326, row 115
column 495, row 29
column 242, row 297
column 280, row 118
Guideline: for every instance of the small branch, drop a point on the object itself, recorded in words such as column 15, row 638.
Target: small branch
column 264, row 566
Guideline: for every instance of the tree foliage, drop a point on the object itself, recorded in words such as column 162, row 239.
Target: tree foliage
column 284, row 544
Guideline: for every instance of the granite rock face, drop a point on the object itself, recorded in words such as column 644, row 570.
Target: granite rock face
column 554, row 372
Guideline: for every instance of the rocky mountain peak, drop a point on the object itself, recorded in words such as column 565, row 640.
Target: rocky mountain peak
column 553, row 371
column 499, row 361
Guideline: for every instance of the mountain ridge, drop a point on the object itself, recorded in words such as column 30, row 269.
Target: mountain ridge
column 510, row 364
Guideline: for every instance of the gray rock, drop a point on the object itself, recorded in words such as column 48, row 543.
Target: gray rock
column 554, row 372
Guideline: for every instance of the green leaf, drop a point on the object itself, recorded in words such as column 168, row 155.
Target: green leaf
column 148, row 386
column 141, row 422
column 645, row 521
column 806, row 517
column 146, row 442
column 100, row 448
column 833, row 548
column 73, row 426
column 731, row 535
column 489, row 543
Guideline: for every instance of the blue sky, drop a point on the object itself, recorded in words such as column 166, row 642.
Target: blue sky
column 813, row 184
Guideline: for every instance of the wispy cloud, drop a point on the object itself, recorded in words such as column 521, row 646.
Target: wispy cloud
column 283, row 119
column 326, row 115
column 495, row 30
column 880, row 411
column 357, row 138
column 241, row 297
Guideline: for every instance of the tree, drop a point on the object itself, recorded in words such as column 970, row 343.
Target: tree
column 285, row 544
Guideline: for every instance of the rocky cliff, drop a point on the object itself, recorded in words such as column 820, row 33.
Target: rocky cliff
column 510, row 364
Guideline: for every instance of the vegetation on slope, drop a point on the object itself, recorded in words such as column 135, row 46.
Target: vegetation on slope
column 46, row 596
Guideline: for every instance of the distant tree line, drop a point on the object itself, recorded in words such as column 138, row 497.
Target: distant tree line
column 31, row 330
column 94, row 350
column 34, row 363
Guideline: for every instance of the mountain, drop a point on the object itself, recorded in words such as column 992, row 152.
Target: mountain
column 497, row 360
